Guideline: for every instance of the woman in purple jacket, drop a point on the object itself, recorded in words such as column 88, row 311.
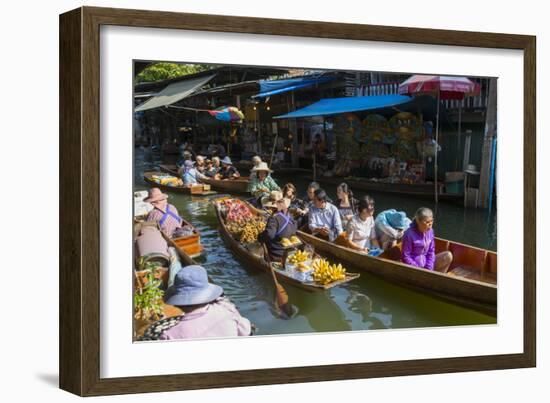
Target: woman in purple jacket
column 418, row 247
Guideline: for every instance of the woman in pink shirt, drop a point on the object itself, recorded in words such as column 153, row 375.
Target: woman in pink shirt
column 206, row 312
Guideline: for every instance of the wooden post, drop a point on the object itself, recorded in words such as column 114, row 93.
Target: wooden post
column 436, row 147
column 457, row 167
column 486, row 156
column 293, row 129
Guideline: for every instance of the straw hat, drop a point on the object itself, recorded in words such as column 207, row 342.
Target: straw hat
column 273, row 198
column 155, row 195
column 262, row 166
column 191, row 287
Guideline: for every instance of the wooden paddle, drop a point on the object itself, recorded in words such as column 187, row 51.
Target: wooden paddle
column 281, row 294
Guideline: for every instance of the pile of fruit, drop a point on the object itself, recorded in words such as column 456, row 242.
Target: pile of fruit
column 298, row 257
column 326, row 273
column 236, row 210
column 247, row 230
column 294, row 240
column 167, row 180
column 251, row 229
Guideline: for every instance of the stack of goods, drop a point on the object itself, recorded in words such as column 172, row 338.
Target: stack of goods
column 167, row 180
column 241, row 223
column 299, row 266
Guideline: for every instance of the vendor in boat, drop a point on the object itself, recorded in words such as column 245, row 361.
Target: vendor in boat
column 279, row 225
column 324, row 218
column 256, row 161
column 263, row 183
column 346, row 203
column 418, row 247
column 228, row 170
column 207, row 313
column 390, row 226
column 166, row 215
column 213, row 168
column 360, row 230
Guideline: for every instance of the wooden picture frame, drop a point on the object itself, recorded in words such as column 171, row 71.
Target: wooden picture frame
column 80, row 197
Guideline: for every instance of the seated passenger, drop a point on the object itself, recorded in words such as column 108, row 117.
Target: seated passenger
column 214, row 170
column 279, row 225
column 206, row 312
column 166, row 215
column 228, row 171
column 360, row 230
column 390, row 227
column 190, row 176
column 418, row 247
column 346, row 203
column 200, row 164
column 263, row 183
column 324, row 218
column 310, row 195
column 289, row 191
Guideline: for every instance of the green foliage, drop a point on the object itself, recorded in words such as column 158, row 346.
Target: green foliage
column 165, row 71
column 148, row 299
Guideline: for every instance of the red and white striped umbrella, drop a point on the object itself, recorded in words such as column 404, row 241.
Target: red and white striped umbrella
column 448, row 87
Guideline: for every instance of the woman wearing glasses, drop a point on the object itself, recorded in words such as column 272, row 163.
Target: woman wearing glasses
column 360, row 229
column 419, row 244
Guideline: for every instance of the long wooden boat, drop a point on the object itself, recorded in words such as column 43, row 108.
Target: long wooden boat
column 257, row 261
column 471, row 279
column 195, row 190
column 423, row 190
column 239, row 185
column 168, row 310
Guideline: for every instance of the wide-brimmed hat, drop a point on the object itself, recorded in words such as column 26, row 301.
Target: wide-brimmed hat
column 227, row 161
column 273, row 198
column 189, row 163
column 155, row 194
column 262, row 166
column 471, row 169
column 191, row 287
column 399, row 220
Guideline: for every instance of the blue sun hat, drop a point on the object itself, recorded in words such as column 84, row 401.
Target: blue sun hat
column 191, row 287
column 227, row 161
column 399, row 220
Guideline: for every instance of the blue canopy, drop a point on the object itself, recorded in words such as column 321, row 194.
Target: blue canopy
column 272, row 87
column 333, row 106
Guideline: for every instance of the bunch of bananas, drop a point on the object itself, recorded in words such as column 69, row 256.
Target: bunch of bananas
column 294, row 240
column 298, row 257
column 251, row 229
column 236, row 227
column 325, row 273
column 286, row 242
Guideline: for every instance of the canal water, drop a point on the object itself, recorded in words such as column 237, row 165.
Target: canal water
column 363, row 304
